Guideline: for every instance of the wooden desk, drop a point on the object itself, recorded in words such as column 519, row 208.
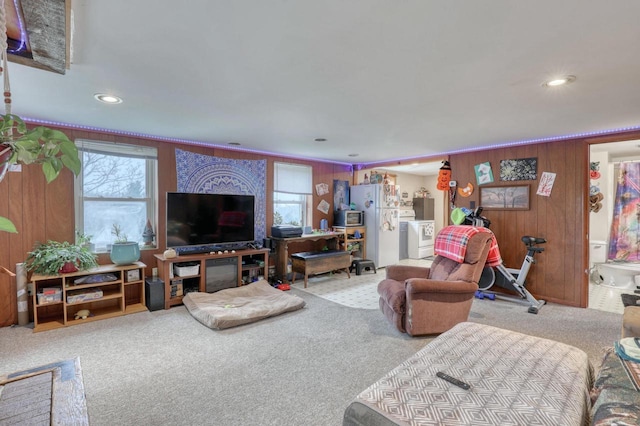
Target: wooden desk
column 282, row 249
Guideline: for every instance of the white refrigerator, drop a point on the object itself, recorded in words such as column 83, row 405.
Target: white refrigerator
column 380, row 204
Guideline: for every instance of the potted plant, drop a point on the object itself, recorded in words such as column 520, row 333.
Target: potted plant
column 123, row 252
column 84, row 240
column 40, row 145
column 53, row 258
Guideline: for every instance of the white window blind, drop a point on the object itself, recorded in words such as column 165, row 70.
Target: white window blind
column 293, row 178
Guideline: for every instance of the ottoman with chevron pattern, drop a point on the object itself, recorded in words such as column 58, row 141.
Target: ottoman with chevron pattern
column 513, row 378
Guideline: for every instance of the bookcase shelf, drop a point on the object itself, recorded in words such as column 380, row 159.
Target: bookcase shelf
column 348, row 241
column 124, row 295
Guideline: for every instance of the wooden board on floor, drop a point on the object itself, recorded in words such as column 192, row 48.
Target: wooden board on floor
column 50, row 394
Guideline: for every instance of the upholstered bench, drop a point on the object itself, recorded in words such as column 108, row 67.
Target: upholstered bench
column 317, row 262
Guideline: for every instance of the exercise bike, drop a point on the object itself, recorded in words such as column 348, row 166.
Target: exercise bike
column 511, row 279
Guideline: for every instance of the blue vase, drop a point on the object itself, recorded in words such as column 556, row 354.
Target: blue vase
column 125, row 253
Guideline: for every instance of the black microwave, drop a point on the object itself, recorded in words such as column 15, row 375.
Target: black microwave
column 348, row 218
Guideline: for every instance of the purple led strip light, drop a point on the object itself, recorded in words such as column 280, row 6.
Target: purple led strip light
column 176, row 140
column 23, row 35
column 503, row 145
column 358, row 166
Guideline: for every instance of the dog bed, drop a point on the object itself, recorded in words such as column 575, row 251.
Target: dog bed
column 240, row 305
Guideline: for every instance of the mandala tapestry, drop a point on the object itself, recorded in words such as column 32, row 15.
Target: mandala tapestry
column 199, row 173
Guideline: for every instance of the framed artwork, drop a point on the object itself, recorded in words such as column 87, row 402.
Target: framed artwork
column 514, row 197
column 483, row 173
column 377, row 177
column 340, row 194
column 520, row 169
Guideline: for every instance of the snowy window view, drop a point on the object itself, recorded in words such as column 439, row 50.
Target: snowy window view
column 292, row 194
column 289, row 209
column 117, row 186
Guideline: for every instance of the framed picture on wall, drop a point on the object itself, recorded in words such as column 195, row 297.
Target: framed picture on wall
column 515, row 197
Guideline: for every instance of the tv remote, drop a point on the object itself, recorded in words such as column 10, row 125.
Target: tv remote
column 453, row 380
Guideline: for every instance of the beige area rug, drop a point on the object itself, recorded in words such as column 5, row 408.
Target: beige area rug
column 359, row 291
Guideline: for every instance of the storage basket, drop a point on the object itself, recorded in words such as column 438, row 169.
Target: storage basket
column 186, row 270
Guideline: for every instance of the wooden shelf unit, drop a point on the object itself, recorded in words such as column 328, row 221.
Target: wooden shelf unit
column 244, row 261
column 347, row 239
column 124, row 295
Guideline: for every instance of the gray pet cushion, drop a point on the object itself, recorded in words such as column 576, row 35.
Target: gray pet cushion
column 240, row 305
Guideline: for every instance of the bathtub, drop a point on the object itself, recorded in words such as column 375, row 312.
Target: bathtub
column 619, row 274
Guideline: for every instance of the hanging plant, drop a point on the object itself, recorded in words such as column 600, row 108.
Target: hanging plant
column 40, row 145
column 19, row 145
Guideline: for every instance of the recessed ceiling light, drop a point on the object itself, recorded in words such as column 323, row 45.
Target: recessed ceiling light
column 107, row 99
column 561, row 81
column 320, row 139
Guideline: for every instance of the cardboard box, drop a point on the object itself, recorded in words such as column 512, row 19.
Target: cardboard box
column 84, row 295
column 176, row 288
column 133, row 275
column 52, row 296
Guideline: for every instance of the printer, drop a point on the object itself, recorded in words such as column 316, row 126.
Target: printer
column 285, row 231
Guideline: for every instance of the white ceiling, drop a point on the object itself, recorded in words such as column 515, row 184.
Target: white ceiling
column 384, row 79
column 428, row 168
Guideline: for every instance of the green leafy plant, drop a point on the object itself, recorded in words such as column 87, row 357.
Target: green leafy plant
column 50, row 257
column 121, row 237
column 39, row 145
column 82, row 238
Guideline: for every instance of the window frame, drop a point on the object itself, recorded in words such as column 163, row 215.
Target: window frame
column 304, row 204
column 149, row 154
column 295, row 179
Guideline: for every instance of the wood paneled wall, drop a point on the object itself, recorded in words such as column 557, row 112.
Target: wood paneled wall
column 42, row 211
column 560, row 274
column 559, row 271
column 46, row 212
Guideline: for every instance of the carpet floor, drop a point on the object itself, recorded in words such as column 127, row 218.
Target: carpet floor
column 299, row 368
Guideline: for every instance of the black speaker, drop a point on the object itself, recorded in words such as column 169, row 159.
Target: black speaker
column 268, row 243
column 154, row 293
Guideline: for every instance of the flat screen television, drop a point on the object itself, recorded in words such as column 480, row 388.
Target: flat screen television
column 209, row 221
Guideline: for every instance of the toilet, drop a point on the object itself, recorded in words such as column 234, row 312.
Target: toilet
column 597, row 252
column 619, row 274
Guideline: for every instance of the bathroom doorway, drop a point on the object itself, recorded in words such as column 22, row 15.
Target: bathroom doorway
column 613, row 271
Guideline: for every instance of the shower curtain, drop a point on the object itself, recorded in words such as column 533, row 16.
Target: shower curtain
column 624, row 238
